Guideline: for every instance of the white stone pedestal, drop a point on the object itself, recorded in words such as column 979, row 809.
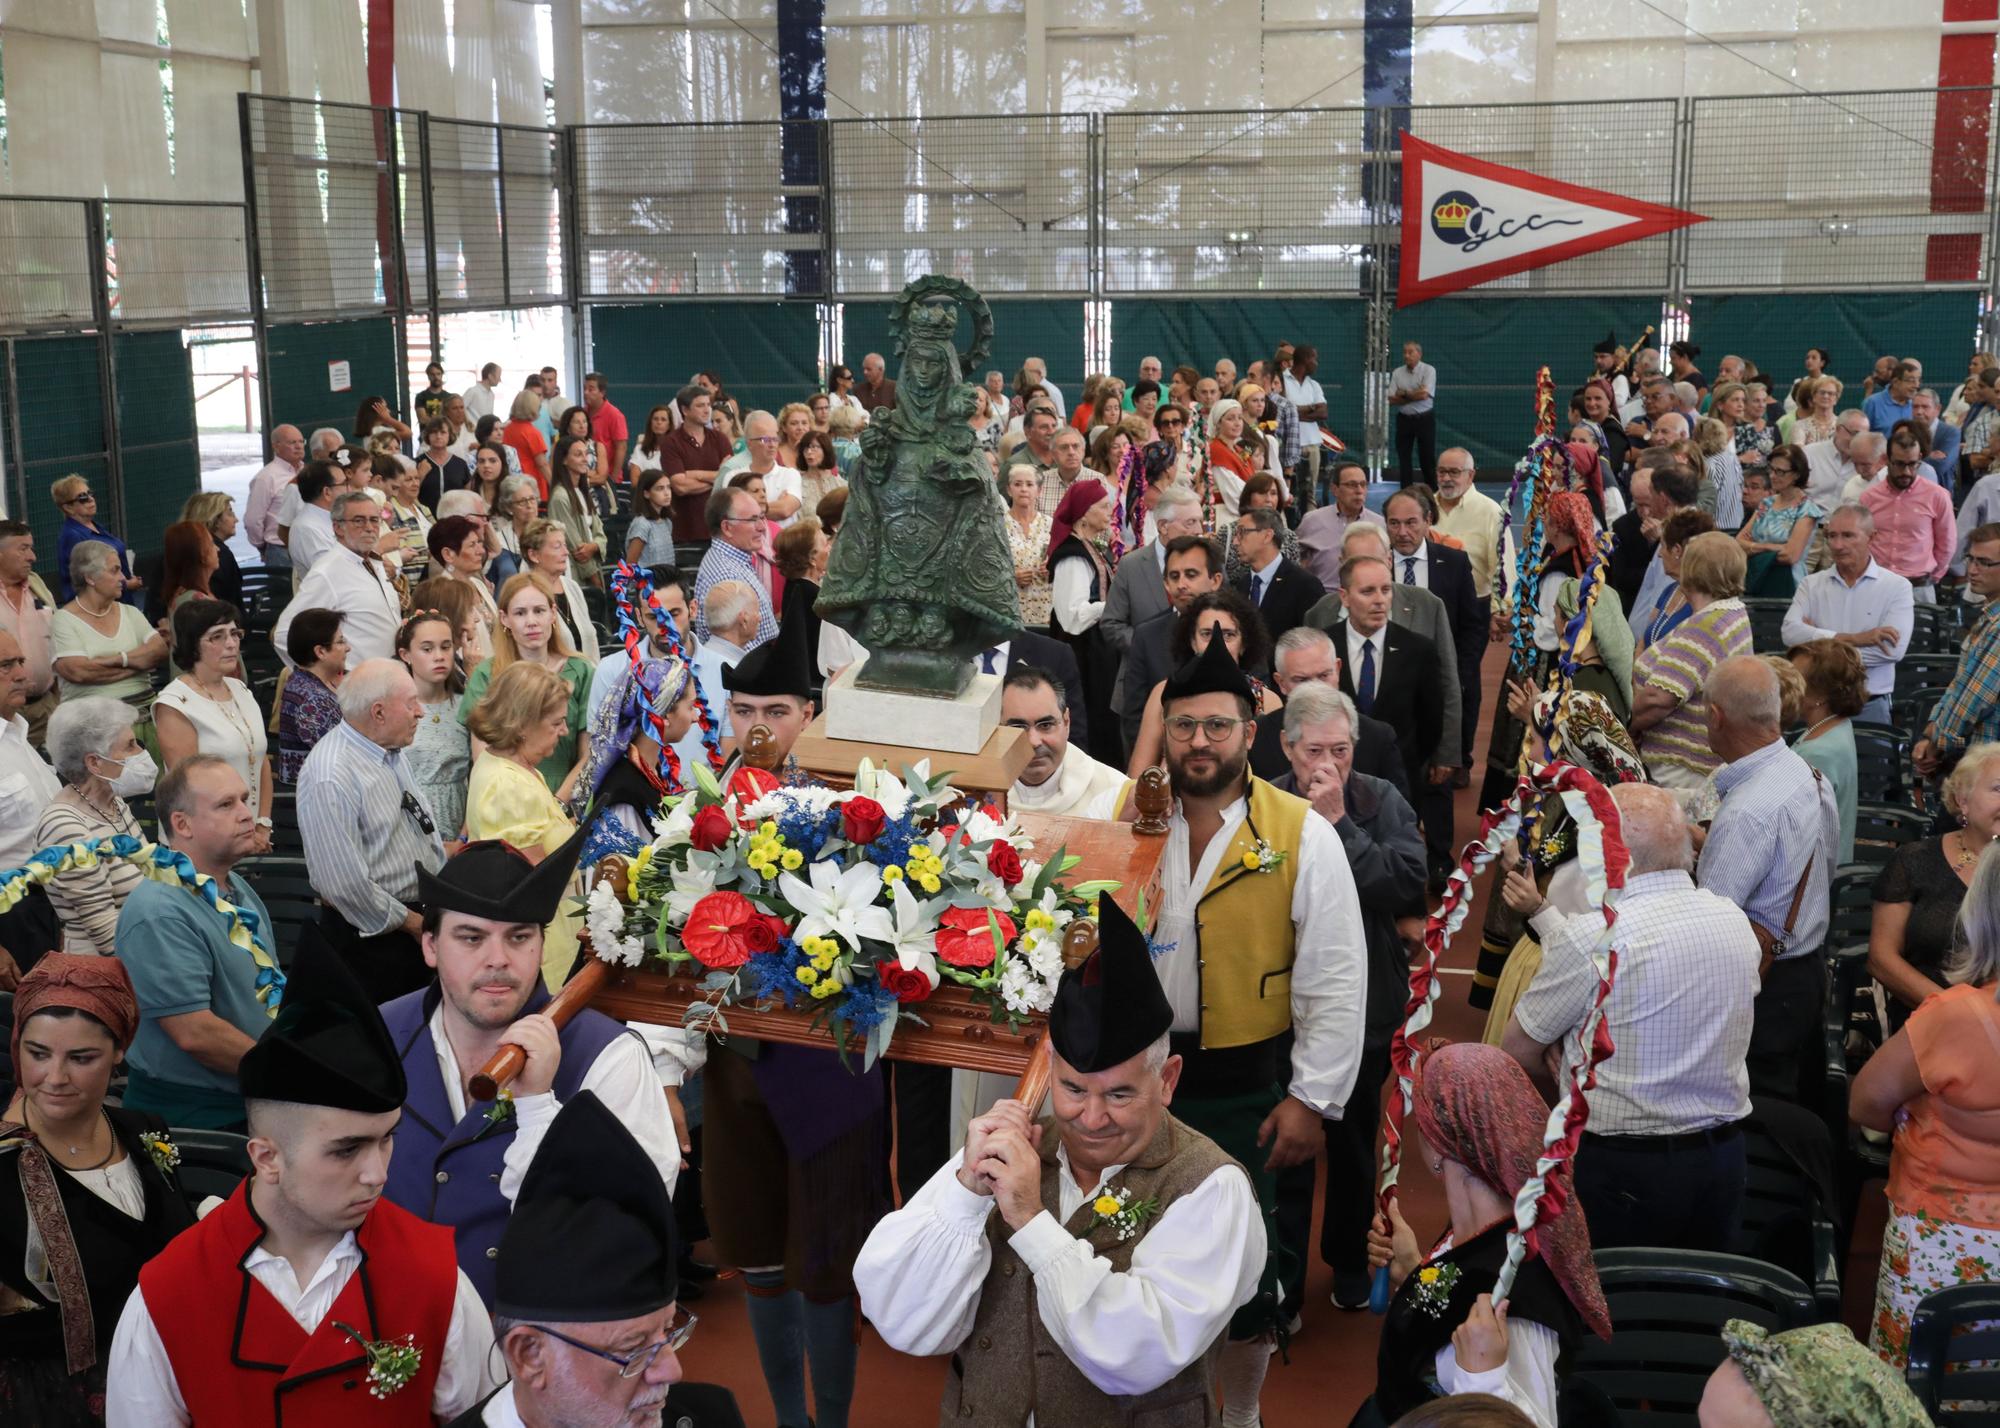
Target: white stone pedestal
column 917, row 721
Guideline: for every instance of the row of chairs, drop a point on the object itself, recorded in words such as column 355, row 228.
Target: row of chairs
column 1937, row 631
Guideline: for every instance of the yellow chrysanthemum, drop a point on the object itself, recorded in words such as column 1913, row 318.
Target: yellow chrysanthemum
column 769, row 828
column 1106, row 1205
column 827, row 988
column 806, row 975
column 891, row 873
column 929, row 882
column 1428, row 1275
column 1040, row 921
column 1252, row 862
column 792, row 859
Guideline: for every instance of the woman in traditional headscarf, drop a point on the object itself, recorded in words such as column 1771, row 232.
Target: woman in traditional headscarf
column 87, row 1191
column 1080, row 568
column 1478, row 1123
column 632, row 735
column 1815, row 1377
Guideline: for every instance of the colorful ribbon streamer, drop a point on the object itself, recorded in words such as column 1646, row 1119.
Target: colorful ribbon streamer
column 1604, row 860
column 629, row 582
column 161, row 865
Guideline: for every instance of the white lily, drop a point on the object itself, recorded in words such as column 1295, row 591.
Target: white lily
column 914, row 937
column 690, row 886
column 839, row 903
column 676, row 828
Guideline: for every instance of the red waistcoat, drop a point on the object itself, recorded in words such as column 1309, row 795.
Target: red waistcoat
column 241, row 1359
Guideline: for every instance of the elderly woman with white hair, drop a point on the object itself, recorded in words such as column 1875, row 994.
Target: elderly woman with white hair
column 100, row 644
column 520, row 505
column 101, row 764
column 1235, row 452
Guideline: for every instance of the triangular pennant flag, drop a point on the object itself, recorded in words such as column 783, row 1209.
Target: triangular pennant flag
column 1467, row 221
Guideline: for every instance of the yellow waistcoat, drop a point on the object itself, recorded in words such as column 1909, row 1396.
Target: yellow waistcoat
column 1244, row 944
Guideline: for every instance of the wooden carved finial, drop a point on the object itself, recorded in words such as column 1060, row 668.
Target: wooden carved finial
column 1154, row 798
column 760, row 748
column 616, row 870
column 1080, row 940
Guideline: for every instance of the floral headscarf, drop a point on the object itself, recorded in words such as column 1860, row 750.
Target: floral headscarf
column 1476, row 1105
column 1820, row 1377
column 640, row 694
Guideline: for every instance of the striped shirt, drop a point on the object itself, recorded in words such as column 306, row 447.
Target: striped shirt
column 1679, row 1012
column 87, row 900
column 1680, row 664
column 727, row 562
column 358, row 807
column 1970, row 709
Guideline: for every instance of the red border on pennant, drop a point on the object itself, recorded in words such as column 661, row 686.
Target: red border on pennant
column 1653, row 220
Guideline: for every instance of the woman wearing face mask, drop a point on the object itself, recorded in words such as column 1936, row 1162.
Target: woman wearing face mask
column 101, row 764
column 84, row 1198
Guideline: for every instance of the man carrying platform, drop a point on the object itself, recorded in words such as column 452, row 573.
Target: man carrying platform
column 460, row 1161
column 584, row 1305
column 271, row 1309
column 1262, row 956
column 793, row 1139
column 1106, row 1246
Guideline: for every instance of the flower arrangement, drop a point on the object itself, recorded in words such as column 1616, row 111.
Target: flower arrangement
column 392, row 1363
column 1126, row 1216
column 1435, row 1283
column 857, row 905
column 166, row 1155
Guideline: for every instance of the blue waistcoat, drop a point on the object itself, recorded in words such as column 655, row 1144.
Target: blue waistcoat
column 450, row 1174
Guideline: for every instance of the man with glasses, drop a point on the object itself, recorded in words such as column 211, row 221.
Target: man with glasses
column 1916, row 532
column 783, row 487
column 352, row 579
column 459, row 1162
column 738, row 523
column 368, row 831
column 1857, row 602
column 1061, row 777
column 265, row 1311
column 1267, row 1015
column 1969, row 713
column 1322, row 531
column 584, row 1309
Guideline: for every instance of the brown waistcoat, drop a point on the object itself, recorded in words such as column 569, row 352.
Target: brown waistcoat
column 1009, row 1367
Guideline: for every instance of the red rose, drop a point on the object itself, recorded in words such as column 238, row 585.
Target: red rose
column 711, row 828
column 761, row 936
column 966, row 938
column 907, row 983
column 862, row 821
column 1004, row 863
column 718, row 930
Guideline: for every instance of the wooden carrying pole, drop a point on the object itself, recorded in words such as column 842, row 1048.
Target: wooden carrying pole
column 1078, row 943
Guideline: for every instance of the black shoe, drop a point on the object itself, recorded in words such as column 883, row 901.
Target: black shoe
column 1351, row 1289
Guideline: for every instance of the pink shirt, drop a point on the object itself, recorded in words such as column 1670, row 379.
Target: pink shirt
column 260, row 511
column 1915, row 532
column 607, row 425
column 27, row 618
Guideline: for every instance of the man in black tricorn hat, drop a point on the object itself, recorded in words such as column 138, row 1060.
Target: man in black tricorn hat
column 270, row 1309
column 1106, row 1246
column 1604, row 361
column 771, row 686
column 584, row 1304
column 460, row 1161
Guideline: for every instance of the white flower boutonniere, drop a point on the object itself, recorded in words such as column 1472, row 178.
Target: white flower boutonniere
column 392, row 1363
column 166, row 1155
column 1435, row 1283
column 1117, row 1208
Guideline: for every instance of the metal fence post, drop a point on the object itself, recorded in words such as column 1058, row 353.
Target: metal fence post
column 1680, row 239
column 829, row 249
column 430, row 239
column 396, row 273
column 107, row 357
column 259, row 336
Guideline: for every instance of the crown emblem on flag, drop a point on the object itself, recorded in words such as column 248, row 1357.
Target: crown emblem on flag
column 1452, row 213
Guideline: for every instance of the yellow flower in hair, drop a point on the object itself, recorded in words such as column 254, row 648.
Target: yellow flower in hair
column 1106, row 1205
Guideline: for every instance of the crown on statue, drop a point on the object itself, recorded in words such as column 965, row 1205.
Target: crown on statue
column 937, row 318
column 1452, row 214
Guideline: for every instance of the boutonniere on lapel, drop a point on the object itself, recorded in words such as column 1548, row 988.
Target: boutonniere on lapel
column 166, row 1155
column 1263, row 858
column 502, row 1109
column 392, row 1363
column 1117, row 1208
column 1435, row 1283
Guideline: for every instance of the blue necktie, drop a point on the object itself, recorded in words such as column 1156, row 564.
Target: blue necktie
column 1263, row 583
column 986, row 661
column 1364, row 689
column 1409, row 570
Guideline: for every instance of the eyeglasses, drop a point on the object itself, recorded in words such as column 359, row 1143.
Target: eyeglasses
column 79, row 500
column 1181, row 728
column 1980, row 562
column 1040, row 726
column 1454, row 470
column 1904, row 465
column 414, row 806
column 742, row 520
column 633, row 1364
column 1171, row 421
column 763, row 440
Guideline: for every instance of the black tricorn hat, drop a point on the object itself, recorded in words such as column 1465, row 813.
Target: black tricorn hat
column 327, row 1046
column 1608, row 345
column 1110, row 1006
column 781, row 665
column 591, row 1238
column 495, row 880
column 1213, row 671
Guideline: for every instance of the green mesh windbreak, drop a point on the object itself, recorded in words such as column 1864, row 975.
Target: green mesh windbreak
column 62, row 431
column 159, row 450
column 767, row 353
column 1050, row 330
column 1773, row 330
column 297, row 371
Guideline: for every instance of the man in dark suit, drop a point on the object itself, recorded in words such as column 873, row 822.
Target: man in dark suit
column 1139, row 586
column 1281, row 589
column 1631, row 551
column 1193, row 568
column 1419, row 562
column 1050, row 655
column 1305, row 656
column 1384, row 668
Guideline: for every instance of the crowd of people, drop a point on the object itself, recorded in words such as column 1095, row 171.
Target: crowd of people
column 461, row 727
